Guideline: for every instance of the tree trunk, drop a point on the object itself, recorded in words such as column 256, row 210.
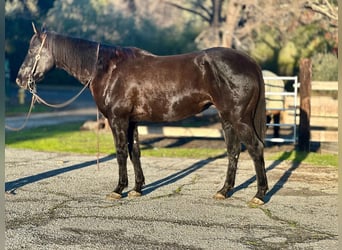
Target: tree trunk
column 233, row 14
column 305, row 73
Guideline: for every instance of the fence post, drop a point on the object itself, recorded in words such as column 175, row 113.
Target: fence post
column 305, row 73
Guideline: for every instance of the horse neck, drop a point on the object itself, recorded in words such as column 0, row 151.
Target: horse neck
column 76, row 56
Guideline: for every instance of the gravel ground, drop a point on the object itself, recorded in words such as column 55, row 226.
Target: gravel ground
column 57, row 201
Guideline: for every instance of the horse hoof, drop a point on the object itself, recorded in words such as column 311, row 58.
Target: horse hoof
column 255, row 202
column 133, row 194
column 113, row 196
column 219, row 196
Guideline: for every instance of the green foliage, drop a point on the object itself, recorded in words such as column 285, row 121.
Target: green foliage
column 100, row 21
column 113, row 23
column 282, row 54
column 266, row 48
column 18, row 18
column 287, row 59
column 324, row 67
column 263, row 53
column 310, row 39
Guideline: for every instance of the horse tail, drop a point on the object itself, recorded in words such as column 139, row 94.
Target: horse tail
column 260, row 111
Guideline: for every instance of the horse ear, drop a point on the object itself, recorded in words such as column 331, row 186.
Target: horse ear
column 34, row 28
column 43, row 28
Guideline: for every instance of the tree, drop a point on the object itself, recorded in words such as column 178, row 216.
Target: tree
column 326, row 8
column 18, row 17
column 232, row 23
column 210, row 12
column 275, row 32
column 329, row 10
column 27, row 9
column 144, row 24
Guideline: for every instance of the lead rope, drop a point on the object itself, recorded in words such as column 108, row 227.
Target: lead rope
column 64, row 104
column 35, row 97
column 97, row 139
column 33, row 100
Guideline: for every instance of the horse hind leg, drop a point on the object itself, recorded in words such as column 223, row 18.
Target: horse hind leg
column 255, row 149
column 134, row 154
column 233, row 151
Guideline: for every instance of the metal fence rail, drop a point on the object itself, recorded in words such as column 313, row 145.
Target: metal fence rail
column 291, row 108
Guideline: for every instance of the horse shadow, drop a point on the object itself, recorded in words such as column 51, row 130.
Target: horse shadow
column 149, row 188
column 299, row 157
column 12, row 186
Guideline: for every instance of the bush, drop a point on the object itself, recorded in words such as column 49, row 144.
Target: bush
column 324, row 67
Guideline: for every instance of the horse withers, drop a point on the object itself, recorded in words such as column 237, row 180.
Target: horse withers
column 130, row 85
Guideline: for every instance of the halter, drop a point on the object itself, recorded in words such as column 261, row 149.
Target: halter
column 31, row 82
column 35, row 97
column 32, row 86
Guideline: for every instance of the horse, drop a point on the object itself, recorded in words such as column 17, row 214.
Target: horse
column 130, row 85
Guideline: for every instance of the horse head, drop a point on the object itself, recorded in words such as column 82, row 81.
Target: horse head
column 39, row 60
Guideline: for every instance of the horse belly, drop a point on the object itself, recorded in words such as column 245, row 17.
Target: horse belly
column 168, row 109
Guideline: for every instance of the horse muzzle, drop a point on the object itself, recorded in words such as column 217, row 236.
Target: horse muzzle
column 21, row 83
column 28, row 84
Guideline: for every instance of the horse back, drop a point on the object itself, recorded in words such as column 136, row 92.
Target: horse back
column 169, row 88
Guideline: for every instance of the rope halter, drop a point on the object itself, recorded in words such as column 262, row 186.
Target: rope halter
column 31, row 82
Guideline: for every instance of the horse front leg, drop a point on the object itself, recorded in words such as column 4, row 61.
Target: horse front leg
column 134, row 154
column 119, row 129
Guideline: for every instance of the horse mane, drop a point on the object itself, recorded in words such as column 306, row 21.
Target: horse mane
column 72, row 54
column 76, row 54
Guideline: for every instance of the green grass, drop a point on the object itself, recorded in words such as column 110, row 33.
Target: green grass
column 60, row 138
column 69, row 138
column 310, row 158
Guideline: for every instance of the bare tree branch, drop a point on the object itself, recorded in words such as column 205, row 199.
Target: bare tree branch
column 202, row 7
column 205, row 18
column 325, row 9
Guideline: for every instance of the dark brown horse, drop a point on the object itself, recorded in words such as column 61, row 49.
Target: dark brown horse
column 130, row 85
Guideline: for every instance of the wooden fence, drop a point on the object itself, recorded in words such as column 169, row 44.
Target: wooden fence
column 324, row 113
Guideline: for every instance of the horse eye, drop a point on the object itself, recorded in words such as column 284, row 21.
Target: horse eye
column 31, row 51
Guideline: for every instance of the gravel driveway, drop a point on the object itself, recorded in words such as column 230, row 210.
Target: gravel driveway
column 57, row 201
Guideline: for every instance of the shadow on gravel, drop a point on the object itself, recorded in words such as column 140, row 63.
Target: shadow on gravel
column 179, row 175
column 12, row 186
column 284, row 178
column 299, row 157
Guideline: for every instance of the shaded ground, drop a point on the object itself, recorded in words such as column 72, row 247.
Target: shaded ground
column 155, row 141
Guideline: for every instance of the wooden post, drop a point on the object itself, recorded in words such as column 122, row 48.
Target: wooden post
column 305, row 73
